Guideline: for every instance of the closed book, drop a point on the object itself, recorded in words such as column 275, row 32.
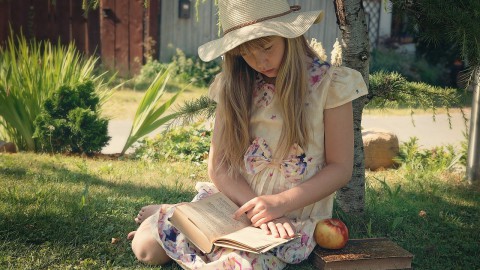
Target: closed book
column 363, row 254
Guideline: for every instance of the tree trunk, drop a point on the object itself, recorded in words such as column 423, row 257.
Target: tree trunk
column 473, row 158
column 355, row 54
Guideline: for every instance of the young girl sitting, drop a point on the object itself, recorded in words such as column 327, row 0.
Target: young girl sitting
column 282, row 141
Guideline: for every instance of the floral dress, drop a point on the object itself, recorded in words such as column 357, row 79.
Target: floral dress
column 329, row 87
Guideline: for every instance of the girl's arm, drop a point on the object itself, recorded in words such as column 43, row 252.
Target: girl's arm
column 234, row 186
column 336, row 173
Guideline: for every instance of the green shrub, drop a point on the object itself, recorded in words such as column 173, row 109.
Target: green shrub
column 185, row 69
column 191, row 143
column 30, row 72
column 433, row 160
column 413, row 68
column 147, row 73
column 192, row 69
column 69, row 121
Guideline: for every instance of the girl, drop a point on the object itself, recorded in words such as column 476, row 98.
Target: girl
column 282, row 140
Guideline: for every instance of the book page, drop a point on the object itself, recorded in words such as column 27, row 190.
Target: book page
column 192, row 232
column 253, row 238
column 213, row 215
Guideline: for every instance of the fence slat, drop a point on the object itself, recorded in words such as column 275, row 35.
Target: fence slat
column 107, row 30
column 136, row 36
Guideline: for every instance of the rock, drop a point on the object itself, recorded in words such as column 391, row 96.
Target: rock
column 7, row 147
column 380, row 147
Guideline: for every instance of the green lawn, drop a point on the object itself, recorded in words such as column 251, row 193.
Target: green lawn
column 61, row 212
column 124, row 102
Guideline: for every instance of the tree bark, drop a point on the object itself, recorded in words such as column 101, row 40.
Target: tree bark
column 355, row 54
column 473, row 157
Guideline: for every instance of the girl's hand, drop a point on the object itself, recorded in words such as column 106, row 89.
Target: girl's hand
column 262, row 209
column 279, row 227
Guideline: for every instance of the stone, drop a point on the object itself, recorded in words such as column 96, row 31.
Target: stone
column 7, row 147
column 380, row 148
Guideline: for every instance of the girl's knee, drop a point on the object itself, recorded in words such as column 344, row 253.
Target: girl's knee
column 147, row 249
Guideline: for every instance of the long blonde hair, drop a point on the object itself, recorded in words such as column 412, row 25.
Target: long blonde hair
column 235, row 99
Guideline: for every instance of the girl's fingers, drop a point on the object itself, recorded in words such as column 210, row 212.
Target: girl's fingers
column 289, row 229
column 273, row 229
column 278, row 228
column 243, row 209
column 264, row 227
column 249, row 214
column 257, row 220
column 281, row 230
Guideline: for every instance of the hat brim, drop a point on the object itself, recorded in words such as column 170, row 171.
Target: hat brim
column 289, row 26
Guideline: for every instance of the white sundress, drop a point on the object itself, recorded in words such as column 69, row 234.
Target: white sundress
column 329, row 87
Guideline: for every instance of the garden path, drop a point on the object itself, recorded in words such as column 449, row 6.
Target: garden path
column 428, row 132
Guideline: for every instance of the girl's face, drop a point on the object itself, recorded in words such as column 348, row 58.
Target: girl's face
column 267, row 58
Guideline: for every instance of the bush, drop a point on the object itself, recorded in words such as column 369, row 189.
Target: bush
column 436, row 159
column 185, row 69
column 30, row 72
column 191, row 143
column 147, row 73
column 192, row 69
column 69, row 121
column 413, row 68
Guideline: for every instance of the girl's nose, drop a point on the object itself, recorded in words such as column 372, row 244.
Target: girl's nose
column 262, row 61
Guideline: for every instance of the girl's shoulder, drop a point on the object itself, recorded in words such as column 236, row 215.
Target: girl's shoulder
column 341, row 85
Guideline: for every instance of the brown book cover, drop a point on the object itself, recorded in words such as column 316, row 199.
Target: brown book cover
column 359, row 254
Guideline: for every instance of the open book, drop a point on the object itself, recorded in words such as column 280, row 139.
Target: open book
column 209, row 222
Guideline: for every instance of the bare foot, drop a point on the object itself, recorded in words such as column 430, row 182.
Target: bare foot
column 131, row 235
column 146, row 211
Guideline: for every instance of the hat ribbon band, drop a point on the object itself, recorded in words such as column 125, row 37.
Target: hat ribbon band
column 292, row 9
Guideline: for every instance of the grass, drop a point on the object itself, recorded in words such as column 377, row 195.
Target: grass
column 61, row 212
column 408, row 112
column 123, row 103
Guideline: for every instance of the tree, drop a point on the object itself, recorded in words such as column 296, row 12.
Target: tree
column 454, row 22
column 355, row 53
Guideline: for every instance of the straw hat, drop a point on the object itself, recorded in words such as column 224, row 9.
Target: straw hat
column 245, row 20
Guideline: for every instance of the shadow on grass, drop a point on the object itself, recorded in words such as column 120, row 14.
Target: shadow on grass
column 72, row 216
column 437, row 223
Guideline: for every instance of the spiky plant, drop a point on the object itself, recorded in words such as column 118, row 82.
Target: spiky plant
column 30, row 71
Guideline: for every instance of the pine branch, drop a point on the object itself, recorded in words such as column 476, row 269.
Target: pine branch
column 392, row 89
column 194, row 109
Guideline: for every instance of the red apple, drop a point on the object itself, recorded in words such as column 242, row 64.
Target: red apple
column 331, row 233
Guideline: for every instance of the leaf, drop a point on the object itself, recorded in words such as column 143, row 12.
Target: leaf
column 150, row 111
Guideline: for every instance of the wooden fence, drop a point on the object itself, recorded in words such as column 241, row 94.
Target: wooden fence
column 40, row 19
column 122, row 31
column 116, row 31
